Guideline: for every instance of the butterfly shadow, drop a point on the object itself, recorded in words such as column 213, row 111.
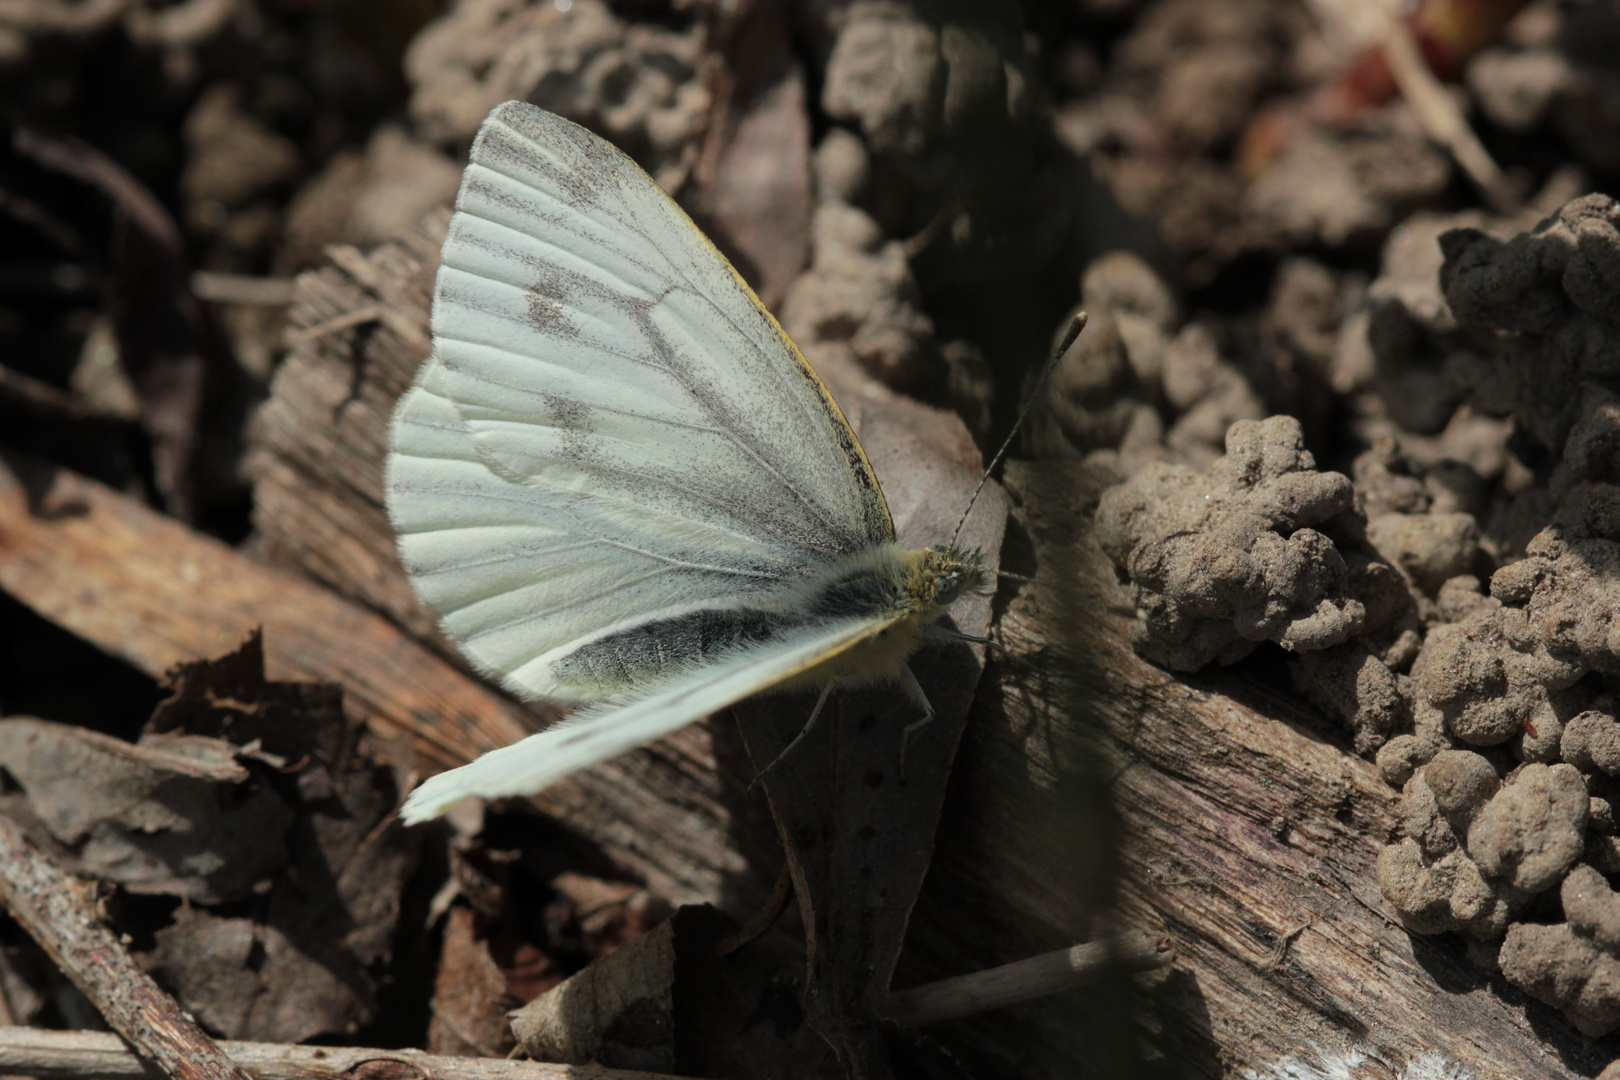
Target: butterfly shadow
column 858, row 831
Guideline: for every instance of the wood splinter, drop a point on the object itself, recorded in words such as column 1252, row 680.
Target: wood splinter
column 1025, row 980
column 96, row 1055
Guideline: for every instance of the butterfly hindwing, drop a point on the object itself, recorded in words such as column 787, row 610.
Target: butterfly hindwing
column 612, row 430
column 540, row 760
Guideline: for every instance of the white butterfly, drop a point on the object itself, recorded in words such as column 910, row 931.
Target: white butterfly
column 618, row 483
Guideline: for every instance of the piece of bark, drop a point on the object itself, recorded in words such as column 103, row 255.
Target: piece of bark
column 318, row 446
column 153, row 592
column 93, row 1055
column 60, row 913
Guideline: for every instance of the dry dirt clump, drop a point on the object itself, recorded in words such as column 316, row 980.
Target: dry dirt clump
column 1183, row 84
column 1431, row 877
column 1477, row 849
column 920, row 79
column 1094, row 400
column 365, row 196
column 1574, row 965
column 634, row 83
column 1350, row 185
column 1559, row 74
column 944, row 95
column 1182, row 130
column 1569, row 589
column 1532, row 665
column 1138, row 386
column 859, row 299
column 1464, row 617
column 1552, row 299
column 1225, row 559
column 1493, row 683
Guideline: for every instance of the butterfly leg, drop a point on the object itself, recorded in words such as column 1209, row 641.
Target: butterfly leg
column 815, row 714
column 914, row 691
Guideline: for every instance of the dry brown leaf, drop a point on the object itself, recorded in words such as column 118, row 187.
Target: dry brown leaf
column 303, row 963
column 618, row 1011
column 470, row 998
column 178, row 818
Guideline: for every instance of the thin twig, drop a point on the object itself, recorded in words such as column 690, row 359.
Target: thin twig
column 60, row 912
column 1025, row 980
column 243, row 289
column 95, row 1055
column 1441, row 117
column 368, row 313
column 78, row 159
column 42, row 397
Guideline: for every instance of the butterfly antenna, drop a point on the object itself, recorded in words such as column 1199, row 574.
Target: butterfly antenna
column 1075, row 327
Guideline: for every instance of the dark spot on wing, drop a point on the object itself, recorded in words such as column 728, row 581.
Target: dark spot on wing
column 566, row 412
column 545, row 312
column 573, row 419
column 548, row 303
column 578, row 186
column 846, row 438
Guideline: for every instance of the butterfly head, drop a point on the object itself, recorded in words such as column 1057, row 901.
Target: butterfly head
column 940, row 575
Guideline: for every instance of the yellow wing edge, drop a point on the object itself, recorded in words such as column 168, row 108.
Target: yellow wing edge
column 816, row 381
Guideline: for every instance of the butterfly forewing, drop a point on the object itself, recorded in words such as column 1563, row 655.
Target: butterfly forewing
column 612, row 431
